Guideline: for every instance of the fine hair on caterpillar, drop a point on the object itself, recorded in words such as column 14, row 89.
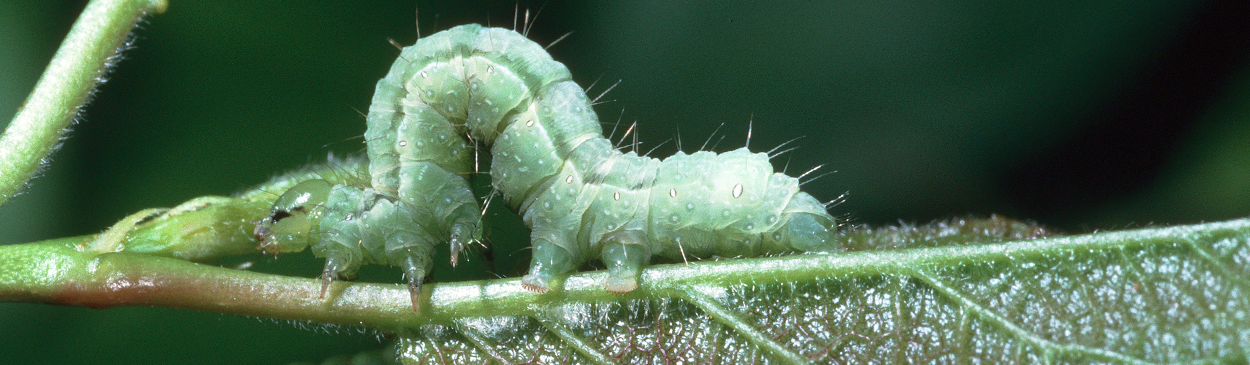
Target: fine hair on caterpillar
column 581, row 196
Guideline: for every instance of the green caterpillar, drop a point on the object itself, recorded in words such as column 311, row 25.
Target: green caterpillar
column 582, row 198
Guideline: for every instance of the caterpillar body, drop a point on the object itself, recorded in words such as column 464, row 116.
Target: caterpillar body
column 581, row 197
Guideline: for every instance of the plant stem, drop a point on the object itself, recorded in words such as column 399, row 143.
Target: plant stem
column 67, row 84
column 57, row 272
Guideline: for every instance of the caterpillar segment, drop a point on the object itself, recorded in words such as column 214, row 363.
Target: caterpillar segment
column 350, row 226
column 581, row 197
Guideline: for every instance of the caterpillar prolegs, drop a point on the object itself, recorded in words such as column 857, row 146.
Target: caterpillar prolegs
column 581, row 197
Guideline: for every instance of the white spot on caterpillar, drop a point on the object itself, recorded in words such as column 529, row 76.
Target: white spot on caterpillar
column 672, row 192
column 568, row 180
column 529, row 123
column 616, row 196
column 737, row 191
column 403, row 143
column 424, row 75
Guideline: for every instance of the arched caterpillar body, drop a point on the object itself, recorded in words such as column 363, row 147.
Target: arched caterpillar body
column 582, row 198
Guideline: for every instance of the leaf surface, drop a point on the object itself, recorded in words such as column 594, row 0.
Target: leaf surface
column 938, row 293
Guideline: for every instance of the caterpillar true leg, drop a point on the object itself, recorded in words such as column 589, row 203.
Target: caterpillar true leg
column 350, row 226
column 295, row 219
column 416, row 146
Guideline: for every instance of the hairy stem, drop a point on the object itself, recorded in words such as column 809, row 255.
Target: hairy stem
column 58, row 272
column 65, row 86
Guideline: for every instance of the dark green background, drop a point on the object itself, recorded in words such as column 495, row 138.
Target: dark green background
column 1079, row 115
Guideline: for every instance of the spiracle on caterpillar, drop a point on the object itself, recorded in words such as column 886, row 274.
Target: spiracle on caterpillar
column 581, row 197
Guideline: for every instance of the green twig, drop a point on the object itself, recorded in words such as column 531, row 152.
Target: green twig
column 57, row 272
column 65, row 86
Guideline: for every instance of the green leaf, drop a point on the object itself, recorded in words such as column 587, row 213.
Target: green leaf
column 1152, row 296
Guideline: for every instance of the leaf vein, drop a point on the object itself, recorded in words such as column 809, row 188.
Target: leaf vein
column 724, row 316
column 996, row 319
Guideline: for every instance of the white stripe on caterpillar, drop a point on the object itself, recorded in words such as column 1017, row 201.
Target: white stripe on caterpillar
column 582, row 198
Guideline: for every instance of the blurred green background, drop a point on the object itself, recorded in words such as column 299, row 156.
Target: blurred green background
column 1079, row 115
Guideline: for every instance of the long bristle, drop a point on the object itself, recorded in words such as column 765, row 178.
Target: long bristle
column 605, row 92
column 783, row 144
column 810, row 171
column 558, row 40
column 801, row 183
column 710, row 136
column 750, row 128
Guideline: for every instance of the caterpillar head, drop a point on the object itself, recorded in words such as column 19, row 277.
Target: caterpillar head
column 293, row 222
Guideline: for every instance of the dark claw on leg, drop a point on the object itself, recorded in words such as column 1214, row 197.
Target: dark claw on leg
column 415, row 274
column 325, row 283
column 456, row 246
column 414, row 293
